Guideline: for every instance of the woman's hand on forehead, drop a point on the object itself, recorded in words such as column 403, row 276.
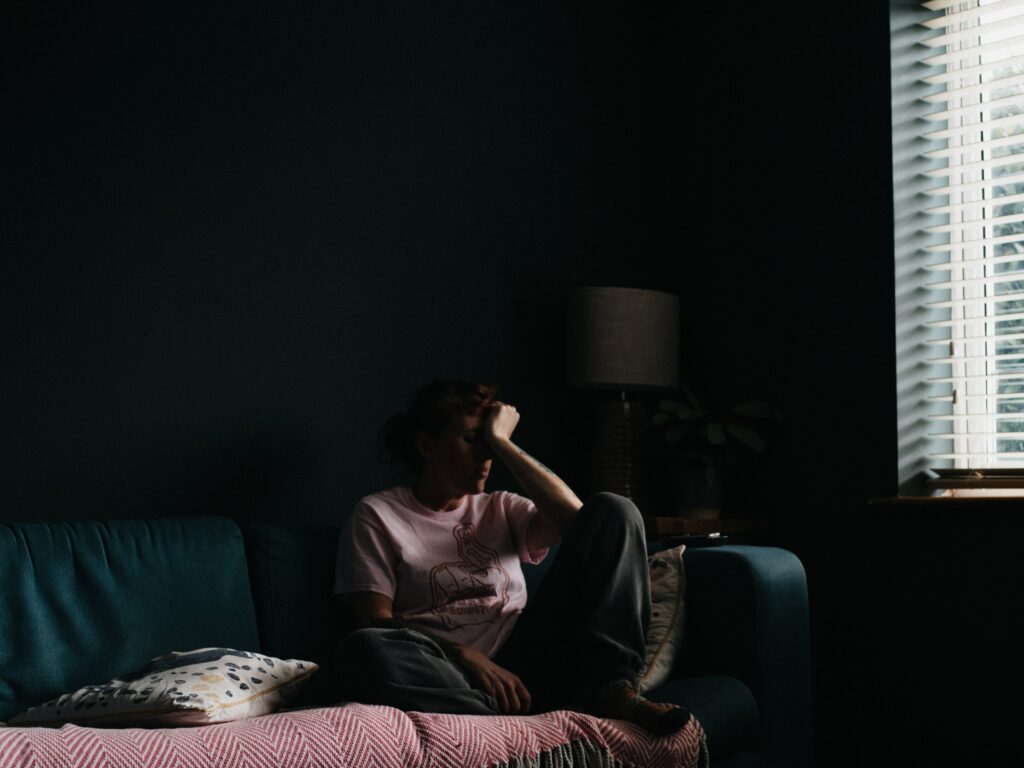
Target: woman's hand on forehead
column 500, row 421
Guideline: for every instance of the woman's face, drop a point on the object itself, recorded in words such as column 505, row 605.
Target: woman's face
column 459, row 459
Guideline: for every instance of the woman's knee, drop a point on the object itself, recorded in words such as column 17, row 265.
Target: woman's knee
column 613, row 509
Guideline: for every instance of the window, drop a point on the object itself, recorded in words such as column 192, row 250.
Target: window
column 958, row 160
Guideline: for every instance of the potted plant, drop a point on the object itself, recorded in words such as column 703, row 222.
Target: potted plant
column 700, row 443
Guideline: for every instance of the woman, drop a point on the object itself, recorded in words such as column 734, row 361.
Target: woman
column 433, row 572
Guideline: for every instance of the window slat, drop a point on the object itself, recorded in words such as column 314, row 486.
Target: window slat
column 972, row 74
column 1011, row 47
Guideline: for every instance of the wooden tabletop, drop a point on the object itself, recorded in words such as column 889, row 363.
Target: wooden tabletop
column 678, row 526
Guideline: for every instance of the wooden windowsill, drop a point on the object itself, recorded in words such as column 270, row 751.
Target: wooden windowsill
column 996, row 492
column 948, row 506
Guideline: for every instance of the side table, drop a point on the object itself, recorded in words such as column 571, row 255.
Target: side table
column 705, row 531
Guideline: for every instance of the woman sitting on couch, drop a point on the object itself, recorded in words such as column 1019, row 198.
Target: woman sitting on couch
column 433, row 572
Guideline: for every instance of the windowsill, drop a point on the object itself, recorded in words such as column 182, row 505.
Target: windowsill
column 980, row 493
column 946, row 487
column 1002, row 498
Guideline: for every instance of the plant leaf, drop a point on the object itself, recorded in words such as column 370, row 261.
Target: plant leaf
column 747, row 436
column 688, row 414
column 758, row 409
column 661, row 418
column 684, row 412
column 716, row 435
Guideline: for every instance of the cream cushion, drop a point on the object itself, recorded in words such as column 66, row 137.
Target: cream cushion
column 668, row 601
column 207, row 685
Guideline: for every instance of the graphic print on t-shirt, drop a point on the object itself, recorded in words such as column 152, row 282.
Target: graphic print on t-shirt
column 472, row 590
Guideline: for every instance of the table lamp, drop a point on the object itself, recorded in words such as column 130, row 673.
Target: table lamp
column 621, row 340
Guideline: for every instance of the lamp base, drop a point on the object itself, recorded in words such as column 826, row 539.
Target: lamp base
column 615, row 465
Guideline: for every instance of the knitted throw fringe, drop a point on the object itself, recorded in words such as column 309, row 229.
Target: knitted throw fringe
column 580, row 753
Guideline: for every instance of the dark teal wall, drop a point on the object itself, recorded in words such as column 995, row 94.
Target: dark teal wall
column 236, row 237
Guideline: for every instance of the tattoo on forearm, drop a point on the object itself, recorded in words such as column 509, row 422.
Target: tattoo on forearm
column 524, row 453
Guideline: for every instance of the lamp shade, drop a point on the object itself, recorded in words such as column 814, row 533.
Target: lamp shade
column 622, row 338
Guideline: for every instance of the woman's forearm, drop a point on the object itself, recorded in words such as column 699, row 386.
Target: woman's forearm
column 554, row 499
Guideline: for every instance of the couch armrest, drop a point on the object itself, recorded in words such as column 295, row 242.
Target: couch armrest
column 747, row 616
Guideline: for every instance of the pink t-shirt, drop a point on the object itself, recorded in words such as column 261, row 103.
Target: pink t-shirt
column 455, row 573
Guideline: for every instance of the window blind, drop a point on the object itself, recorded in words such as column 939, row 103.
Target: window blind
column 975, row 222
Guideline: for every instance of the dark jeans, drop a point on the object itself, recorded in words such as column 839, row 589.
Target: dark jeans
column 585, row 627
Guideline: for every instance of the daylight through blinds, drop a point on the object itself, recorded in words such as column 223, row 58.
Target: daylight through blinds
column 977, row 211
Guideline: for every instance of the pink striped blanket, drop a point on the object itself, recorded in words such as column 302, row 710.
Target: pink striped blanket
column 358, row 735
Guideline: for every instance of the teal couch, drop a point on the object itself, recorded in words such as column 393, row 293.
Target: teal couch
column 82, row 602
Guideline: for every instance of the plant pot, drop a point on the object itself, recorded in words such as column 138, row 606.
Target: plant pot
column 698, row 491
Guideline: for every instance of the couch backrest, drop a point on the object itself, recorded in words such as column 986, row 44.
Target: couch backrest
column 83, row 602
column 291, row 569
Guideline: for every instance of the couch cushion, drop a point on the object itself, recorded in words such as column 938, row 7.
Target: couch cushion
column 292, row 572
column 82, row 602
column 724, row 706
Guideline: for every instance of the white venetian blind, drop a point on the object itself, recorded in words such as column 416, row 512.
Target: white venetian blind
column 977, row 211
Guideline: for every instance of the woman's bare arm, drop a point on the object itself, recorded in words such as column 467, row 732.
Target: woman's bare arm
column 555, row 501
column 371, row 608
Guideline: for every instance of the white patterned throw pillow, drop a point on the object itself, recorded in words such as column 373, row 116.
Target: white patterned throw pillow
column 207, row 685
column 668, row 601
